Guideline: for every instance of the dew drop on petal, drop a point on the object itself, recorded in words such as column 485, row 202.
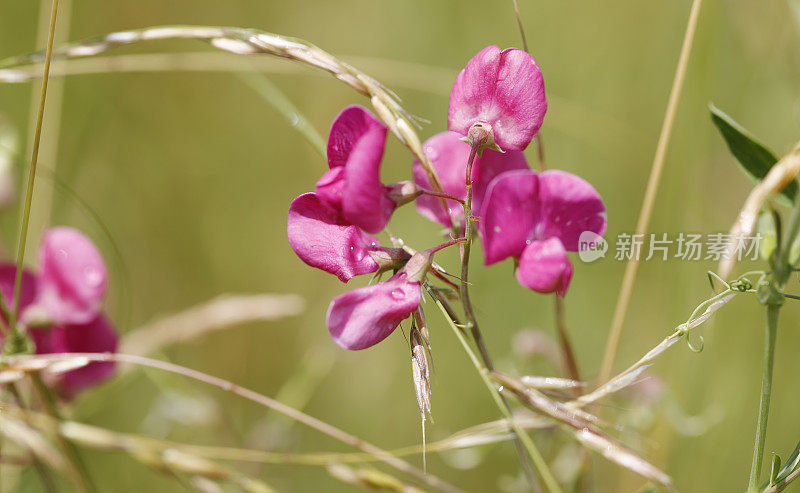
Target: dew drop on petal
column 92, row 276
column 397, row 294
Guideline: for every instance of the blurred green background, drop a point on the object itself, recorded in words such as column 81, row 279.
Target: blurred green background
column 190, row 176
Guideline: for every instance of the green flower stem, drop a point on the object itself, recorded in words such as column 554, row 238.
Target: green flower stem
column 522, row 441
column 502, row 404
column 17, row 334
column 766, row 392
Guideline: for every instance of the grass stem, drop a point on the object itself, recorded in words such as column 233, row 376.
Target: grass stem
column 766, row 392
column 631, row 268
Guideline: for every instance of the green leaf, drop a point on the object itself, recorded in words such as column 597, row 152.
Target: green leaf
column 792, row 463
column 754, row 157
column 776, row 465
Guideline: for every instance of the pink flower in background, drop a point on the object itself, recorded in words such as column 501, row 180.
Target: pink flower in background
column 365, row 316
column 97, row 336
column 536, row 218
column 502, row 90
column 72, row 276
column 449, row 155
column 352, row 185
column 61, row 305
column 322, row 238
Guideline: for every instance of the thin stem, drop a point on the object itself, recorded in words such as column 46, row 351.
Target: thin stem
column 766, row 391
column 540, row 152
column 632, row 266
column 26, row 212
column 521, row 29
column 445, row 245
column 780, row 485
column 783, row 265
column 263, row 400
column 469, row 219
column 83, row 477
column 441, row 195
column 44, row 474
column 502, row 404
column 563, row 339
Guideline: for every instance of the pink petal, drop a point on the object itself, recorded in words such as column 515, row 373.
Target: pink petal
column 487, row 167
column 330, row 187
column 322, row 239
column 449, row 155
column 356, row 142
column 98, row 336
column 569, row 206
column 504, row 89
column 544, row 267
column 28, row 293
column 348, row 128
column 73, row 277
column 363, row 317
column 509, row 214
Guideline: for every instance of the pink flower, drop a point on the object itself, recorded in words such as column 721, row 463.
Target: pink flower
column 322, row 238
column 63, row 292
column 501, row 90
column 72, row 276
column 97, row 336
column 352, row 185
column 365, row 316
column 536, row 218
column 449, row 155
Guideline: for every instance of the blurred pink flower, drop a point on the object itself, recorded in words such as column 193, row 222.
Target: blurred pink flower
column 352, row 184
column 365, row 316
column 52, row 301
column 449, row 155
column 502, row 90
column 72, row 276
column 536, row 218
column 322, row 238
column 97, row 336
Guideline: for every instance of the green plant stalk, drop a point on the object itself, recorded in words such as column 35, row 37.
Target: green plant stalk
column 469, row 221
column 766, row 392
column 17, row 334
column 502, row 404
column 71, row 452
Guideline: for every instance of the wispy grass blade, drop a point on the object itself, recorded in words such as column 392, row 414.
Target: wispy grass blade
column 37, row 363
column 254, row 42
column 272, row 94
column 219, row 313
column 584, row 430
column 631, row 268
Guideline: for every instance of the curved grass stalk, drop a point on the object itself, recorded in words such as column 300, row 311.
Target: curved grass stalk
column 630, row 374
column 502, row 405
column 631, row 268
column 294, row 117
column 97, row 437
column 36, row 363
column 253, row 42
column 571, row 118
column 163, row 456
column 583, row 428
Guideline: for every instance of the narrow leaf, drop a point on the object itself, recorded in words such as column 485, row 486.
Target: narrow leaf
column 754, row 157
column 791, row 464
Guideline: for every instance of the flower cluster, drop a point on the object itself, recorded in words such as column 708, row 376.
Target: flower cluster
column 61, row 304
column 496, row 107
